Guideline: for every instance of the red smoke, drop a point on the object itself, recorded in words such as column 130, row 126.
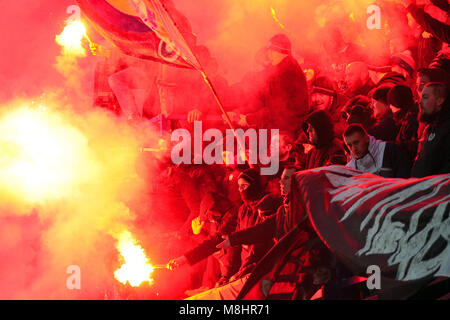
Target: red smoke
column 33, row 255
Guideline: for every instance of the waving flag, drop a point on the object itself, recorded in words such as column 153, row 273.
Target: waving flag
column 165, row 20
column 400, row 225
column 144, row 29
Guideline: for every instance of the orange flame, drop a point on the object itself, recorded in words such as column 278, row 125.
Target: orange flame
column 137, row 268
column 71, row 37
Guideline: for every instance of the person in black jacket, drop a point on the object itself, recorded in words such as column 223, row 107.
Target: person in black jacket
column 252, row 193
column 401, row 102
column 327, row 149
column 358, row 110
column 283, row 101
column 307, row 267
column 433, row 156
column 272, row 227
column 385, row 128
column 218, row 217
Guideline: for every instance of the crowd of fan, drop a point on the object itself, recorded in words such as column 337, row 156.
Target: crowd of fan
column 394, row 124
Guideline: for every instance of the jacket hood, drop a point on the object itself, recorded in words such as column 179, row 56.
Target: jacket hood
column 322, row 123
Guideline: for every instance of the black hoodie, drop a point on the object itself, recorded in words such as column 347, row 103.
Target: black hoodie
column 328, row 150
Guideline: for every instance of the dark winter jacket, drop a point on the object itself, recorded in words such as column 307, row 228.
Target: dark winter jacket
column 226, row 224
column 407, row 136
column 396, row 162
column 385, row 128
column 433, row 155
column 250, row 254
column 298, row 265
column 328, row 150
column 330, row 154
column 409, row 125
column 284, row 99
column 391, row 79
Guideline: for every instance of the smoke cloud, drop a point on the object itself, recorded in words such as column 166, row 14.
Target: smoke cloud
column 235, row 30
column 72, row 177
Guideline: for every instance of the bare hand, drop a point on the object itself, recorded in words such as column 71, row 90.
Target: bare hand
column 176, row 263
column 234, row 117
column 194, row 115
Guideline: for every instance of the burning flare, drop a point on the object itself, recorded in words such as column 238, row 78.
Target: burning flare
column 71, row 37
column 41, row 156
column 137, row 268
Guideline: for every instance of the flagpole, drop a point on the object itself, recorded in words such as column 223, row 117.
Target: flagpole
column 161, row 7
column 222, row 109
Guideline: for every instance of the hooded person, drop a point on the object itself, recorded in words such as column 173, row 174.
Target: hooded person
column 252, row 192
column 257, row 207
column 298, row 264
column 327, row 149
column 250, row 189
column 274, row 226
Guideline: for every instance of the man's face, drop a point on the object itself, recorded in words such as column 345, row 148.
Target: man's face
column 312, row 135
column 379, row 109
column 321, row 101
column 421, row 81
column 429, row 105
column 243, row 185
column 285, row 181
column 358, row 144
